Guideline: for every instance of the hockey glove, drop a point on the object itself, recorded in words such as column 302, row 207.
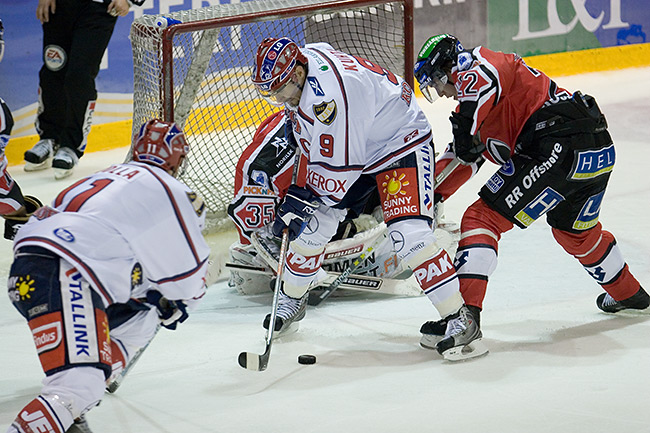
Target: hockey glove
column 467, row 148
column 296, row 210
column 14, row 223
column 171, row 313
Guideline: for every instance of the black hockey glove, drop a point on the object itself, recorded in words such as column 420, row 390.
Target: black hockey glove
column 171, row 313
column 14, row 223
column 467, row 149
column 296, row 210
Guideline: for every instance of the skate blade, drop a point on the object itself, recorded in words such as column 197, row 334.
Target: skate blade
column 30, row 166
column 287, row 330
column 430, row 341
column 474, row 349
column 62, row 173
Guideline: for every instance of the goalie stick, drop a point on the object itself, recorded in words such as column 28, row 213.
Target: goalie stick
column 112, row 386
column 357, row 282
column 316, row 300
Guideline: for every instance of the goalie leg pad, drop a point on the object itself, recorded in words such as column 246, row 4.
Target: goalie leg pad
column 597, row 251
column 250, row 283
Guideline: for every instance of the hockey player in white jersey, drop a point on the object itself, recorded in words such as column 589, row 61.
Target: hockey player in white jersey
column 359, row 128
column 114, row 255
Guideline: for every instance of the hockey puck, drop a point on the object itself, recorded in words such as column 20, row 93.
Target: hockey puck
column 306, row 359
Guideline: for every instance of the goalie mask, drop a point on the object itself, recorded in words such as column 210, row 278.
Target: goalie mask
column 275, row 64
column 161, row 144
column 435, row 59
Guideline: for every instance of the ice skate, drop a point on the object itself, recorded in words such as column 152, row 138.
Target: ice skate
column 64, row 162
column 80, row 425
column 290, row 312
column 639, row 301
column 432, row 332
column 40, row 156
column 463, row 336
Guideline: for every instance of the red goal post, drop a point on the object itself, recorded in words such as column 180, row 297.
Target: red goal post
column 197, row 72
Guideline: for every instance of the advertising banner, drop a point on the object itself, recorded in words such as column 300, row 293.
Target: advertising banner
column 532, row 27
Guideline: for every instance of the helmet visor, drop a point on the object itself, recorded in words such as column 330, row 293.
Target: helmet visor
column 289, row 93
column 437, row 80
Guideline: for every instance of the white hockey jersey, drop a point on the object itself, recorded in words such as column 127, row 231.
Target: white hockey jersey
column 127, row 228
column 354, row 117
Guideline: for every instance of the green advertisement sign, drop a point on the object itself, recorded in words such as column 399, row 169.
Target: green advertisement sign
column 531, row 27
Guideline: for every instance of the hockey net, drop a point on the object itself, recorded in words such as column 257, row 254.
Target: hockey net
column 197, row 72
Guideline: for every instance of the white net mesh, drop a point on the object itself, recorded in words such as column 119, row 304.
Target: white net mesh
column 205, row 85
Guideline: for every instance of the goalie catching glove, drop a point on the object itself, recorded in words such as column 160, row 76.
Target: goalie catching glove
column 15, row 222
column 467, row 148
column 170, row 312
column 295, row 211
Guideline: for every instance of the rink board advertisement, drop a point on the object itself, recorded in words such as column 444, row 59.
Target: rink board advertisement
column 532, row 27
column 528, row 27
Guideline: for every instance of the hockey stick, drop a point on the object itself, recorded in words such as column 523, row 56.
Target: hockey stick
column 253, row 361
column 317, row 300
column 112, row 386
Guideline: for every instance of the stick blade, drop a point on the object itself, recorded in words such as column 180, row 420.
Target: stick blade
column 252, row 361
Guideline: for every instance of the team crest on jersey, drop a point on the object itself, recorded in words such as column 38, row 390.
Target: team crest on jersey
column 136, row 276
column 197, row 203
column 315, row 86
column 325, row 112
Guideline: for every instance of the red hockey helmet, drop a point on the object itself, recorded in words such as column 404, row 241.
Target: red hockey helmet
column 161, row 144
column 275, row 62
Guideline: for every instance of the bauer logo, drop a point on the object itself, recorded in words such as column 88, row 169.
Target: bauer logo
column 593, row 163
column 343, row 253
column 325, row 112
column 54, row 57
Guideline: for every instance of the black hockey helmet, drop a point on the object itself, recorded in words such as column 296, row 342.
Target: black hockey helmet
column 435, row 59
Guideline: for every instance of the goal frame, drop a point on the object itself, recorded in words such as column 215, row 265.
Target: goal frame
column 167, row 78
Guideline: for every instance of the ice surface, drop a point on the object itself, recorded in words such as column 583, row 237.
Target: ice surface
column 556, row 363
